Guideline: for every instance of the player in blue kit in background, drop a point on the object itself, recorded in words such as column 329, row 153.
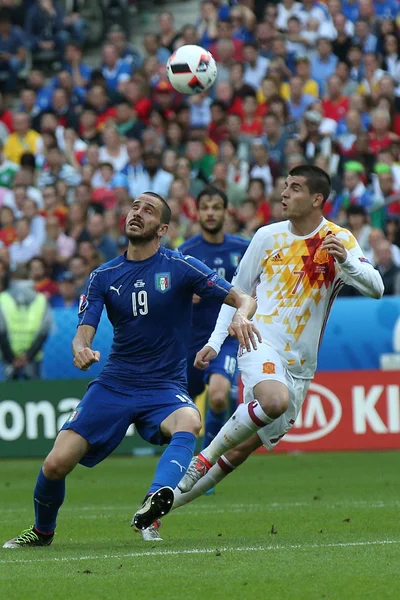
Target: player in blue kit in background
column 148, row 295
column 222, row 253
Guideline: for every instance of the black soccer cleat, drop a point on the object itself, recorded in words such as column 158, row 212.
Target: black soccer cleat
column 29, row 538
column 153, row 508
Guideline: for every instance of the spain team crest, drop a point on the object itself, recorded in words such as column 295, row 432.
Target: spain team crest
column 163, row 282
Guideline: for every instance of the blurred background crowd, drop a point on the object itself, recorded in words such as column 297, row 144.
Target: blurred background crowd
column 85, row 129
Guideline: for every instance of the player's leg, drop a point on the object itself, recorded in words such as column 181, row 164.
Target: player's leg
column 49, row 492
column 181, row 426
column 225, row 465
column 268, row 436
column 263, row 373
column 93, row 431
column 219, row 388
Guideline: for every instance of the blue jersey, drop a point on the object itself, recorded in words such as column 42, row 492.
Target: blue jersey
column 149, row 304
column 224, row 259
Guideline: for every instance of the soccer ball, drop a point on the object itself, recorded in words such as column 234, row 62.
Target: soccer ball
column 191, row 69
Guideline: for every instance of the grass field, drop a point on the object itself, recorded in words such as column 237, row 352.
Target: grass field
column 298, row 527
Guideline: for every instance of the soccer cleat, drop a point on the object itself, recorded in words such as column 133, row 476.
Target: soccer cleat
column 28, row 538
column 154, row 507
column 198, row 467
column 152, row 533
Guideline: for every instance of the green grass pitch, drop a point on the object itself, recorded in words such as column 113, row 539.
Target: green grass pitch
column 295, row 527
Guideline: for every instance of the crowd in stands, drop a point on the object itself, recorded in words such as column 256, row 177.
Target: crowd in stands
column 298, row 82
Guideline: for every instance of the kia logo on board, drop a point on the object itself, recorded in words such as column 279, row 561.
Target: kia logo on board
column 320, row 414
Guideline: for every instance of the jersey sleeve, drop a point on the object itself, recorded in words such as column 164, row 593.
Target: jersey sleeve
column 356, row 270
column 250, row 267
column 92, row 302
column 203, row 281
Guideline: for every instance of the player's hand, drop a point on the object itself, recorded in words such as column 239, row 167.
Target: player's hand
column 85, row 358
column 196, row 299
column 203, row 357
column 244, row 331
column 335, row 247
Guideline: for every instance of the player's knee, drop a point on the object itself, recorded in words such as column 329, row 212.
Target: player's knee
column 190, row 422
column 277, row 405
column 218, row 401
column 56, row 467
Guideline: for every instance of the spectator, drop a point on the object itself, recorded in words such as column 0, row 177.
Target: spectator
column 153, row 178
column 376, row 236
column 25, row 246
column 225, row 32
column 76, row 67
column 298, row 102
column 8, row 234
column 68, row 295
column 310, row 86
column 357, row 223
column 354, row 192
column 151, row 44
column 389, row 271
column 37, row 270
column 323, row 65
column 101, row 242
column 275, row 137
column 56, row 169
column 126, row 51
column 12, row 51
column 45, row 28
column 79, row 267
column 168, row 33
column 255, row 65
column 115, row 70
column 261, row 169
column 127, row 123
column 65, row 245
column 25, row 323
column 114, row 150
column 23, row 140
column 37, row 223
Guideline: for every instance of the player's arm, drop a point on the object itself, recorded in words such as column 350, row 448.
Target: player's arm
column 90, row 309
column 352, row 266
column 244, row 281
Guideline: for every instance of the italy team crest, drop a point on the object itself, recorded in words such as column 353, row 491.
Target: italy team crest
column 235, row 259
column 163, row 282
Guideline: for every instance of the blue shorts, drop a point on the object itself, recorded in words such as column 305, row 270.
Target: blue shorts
column 224, row 364
column 104, row 415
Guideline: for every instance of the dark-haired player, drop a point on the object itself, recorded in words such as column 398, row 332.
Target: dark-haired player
column 297, row 268
column 148, row 295
column 222, row 253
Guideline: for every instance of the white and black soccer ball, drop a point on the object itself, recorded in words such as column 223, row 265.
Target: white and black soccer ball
column 191, row 69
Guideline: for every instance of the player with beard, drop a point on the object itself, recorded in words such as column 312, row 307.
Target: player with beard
column 148, row 295
column 222, row 253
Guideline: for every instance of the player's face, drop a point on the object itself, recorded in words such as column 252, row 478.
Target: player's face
column 211, row 214
column 297, row 202
column 143, row 221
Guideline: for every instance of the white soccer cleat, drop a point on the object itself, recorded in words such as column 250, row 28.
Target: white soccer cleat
column 152, row 533
column 198, row 467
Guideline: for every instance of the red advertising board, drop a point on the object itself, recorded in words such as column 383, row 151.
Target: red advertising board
column 348, row 410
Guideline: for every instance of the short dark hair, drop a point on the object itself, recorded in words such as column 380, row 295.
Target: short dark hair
column 212, row 190
column 165, row 211
column 318, row 180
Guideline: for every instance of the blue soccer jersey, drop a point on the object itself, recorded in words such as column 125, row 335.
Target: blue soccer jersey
column 149, row 304
column 223, row 259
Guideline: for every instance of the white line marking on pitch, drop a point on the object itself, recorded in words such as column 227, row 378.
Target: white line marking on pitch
column 201, row 551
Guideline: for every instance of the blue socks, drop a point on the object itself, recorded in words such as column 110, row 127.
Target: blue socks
column 174, row 462
column 214, row 422
column 48, row 496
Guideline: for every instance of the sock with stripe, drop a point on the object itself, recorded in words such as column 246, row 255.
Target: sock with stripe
column 174, row 462
column 246, row 420
column 216, row 474
column 48, row 496
column 213, row 423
